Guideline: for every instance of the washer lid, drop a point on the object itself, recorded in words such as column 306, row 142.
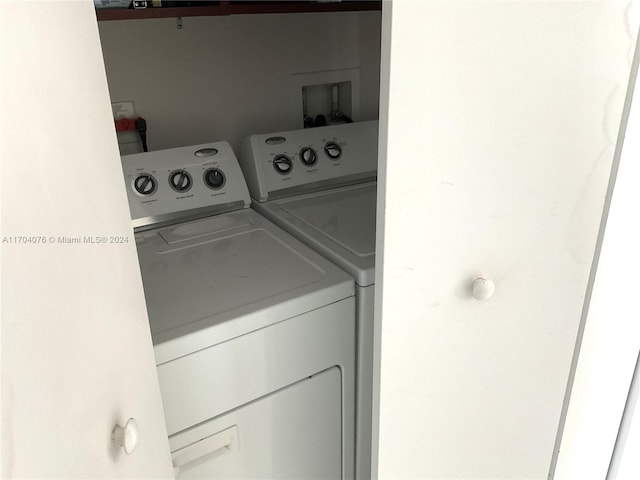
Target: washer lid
column 340, row 223
column 210, row 280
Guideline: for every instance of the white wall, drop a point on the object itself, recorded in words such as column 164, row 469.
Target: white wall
column 222, row 78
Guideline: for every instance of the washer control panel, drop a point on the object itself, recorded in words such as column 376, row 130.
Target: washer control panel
column 314, row 158
column 168, row 184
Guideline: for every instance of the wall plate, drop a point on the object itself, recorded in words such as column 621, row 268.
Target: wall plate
column 123, row 109
column 318, row 85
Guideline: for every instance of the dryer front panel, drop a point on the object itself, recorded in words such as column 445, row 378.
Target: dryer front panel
column 293, row 433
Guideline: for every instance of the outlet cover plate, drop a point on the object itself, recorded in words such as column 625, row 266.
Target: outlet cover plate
column 123, row 110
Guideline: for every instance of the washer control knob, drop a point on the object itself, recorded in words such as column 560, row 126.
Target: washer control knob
column 483, row 289
column 333, row 150
column 214, row 178
column 145, row 184
column 127, row 436
column 282, row 164
column 308, row 156
column 180, row 180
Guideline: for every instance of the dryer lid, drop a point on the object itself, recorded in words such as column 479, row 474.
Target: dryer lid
column 204, row 285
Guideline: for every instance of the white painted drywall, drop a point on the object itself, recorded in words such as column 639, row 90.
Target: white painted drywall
column 222, row 78
column 499, row 125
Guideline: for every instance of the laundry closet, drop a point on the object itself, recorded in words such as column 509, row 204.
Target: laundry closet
column 200, row 79
column 501, row 303
column 499, row 126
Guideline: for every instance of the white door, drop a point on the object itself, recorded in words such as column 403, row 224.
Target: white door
column 499, row 123
column 77, row 357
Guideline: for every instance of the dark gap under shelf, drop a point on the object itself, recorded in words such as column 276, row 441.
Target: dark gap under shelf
column 224, row 8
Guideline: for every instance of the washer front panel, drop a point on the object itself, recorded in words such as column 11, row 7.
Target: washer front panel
column 316, row 156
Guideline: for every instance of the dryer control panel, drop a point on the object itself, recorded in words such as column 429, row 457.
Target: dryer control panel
column 180, row 183
column 287, row 163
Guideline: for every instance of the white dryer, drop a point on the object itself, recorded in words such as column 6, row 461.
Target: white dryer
column 253, row 331
column 319, row 184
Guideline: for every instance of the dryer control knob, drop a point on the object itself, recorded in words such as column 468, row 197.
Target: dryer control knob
column 333, row 150
column 127, row 436
column 180, row 180
column 145, row 184
column 483, row 289
column 214, row 178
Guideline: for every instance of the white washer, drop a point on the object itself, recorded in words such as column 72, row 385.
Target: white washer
column 253, row 332
column 319, row 184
